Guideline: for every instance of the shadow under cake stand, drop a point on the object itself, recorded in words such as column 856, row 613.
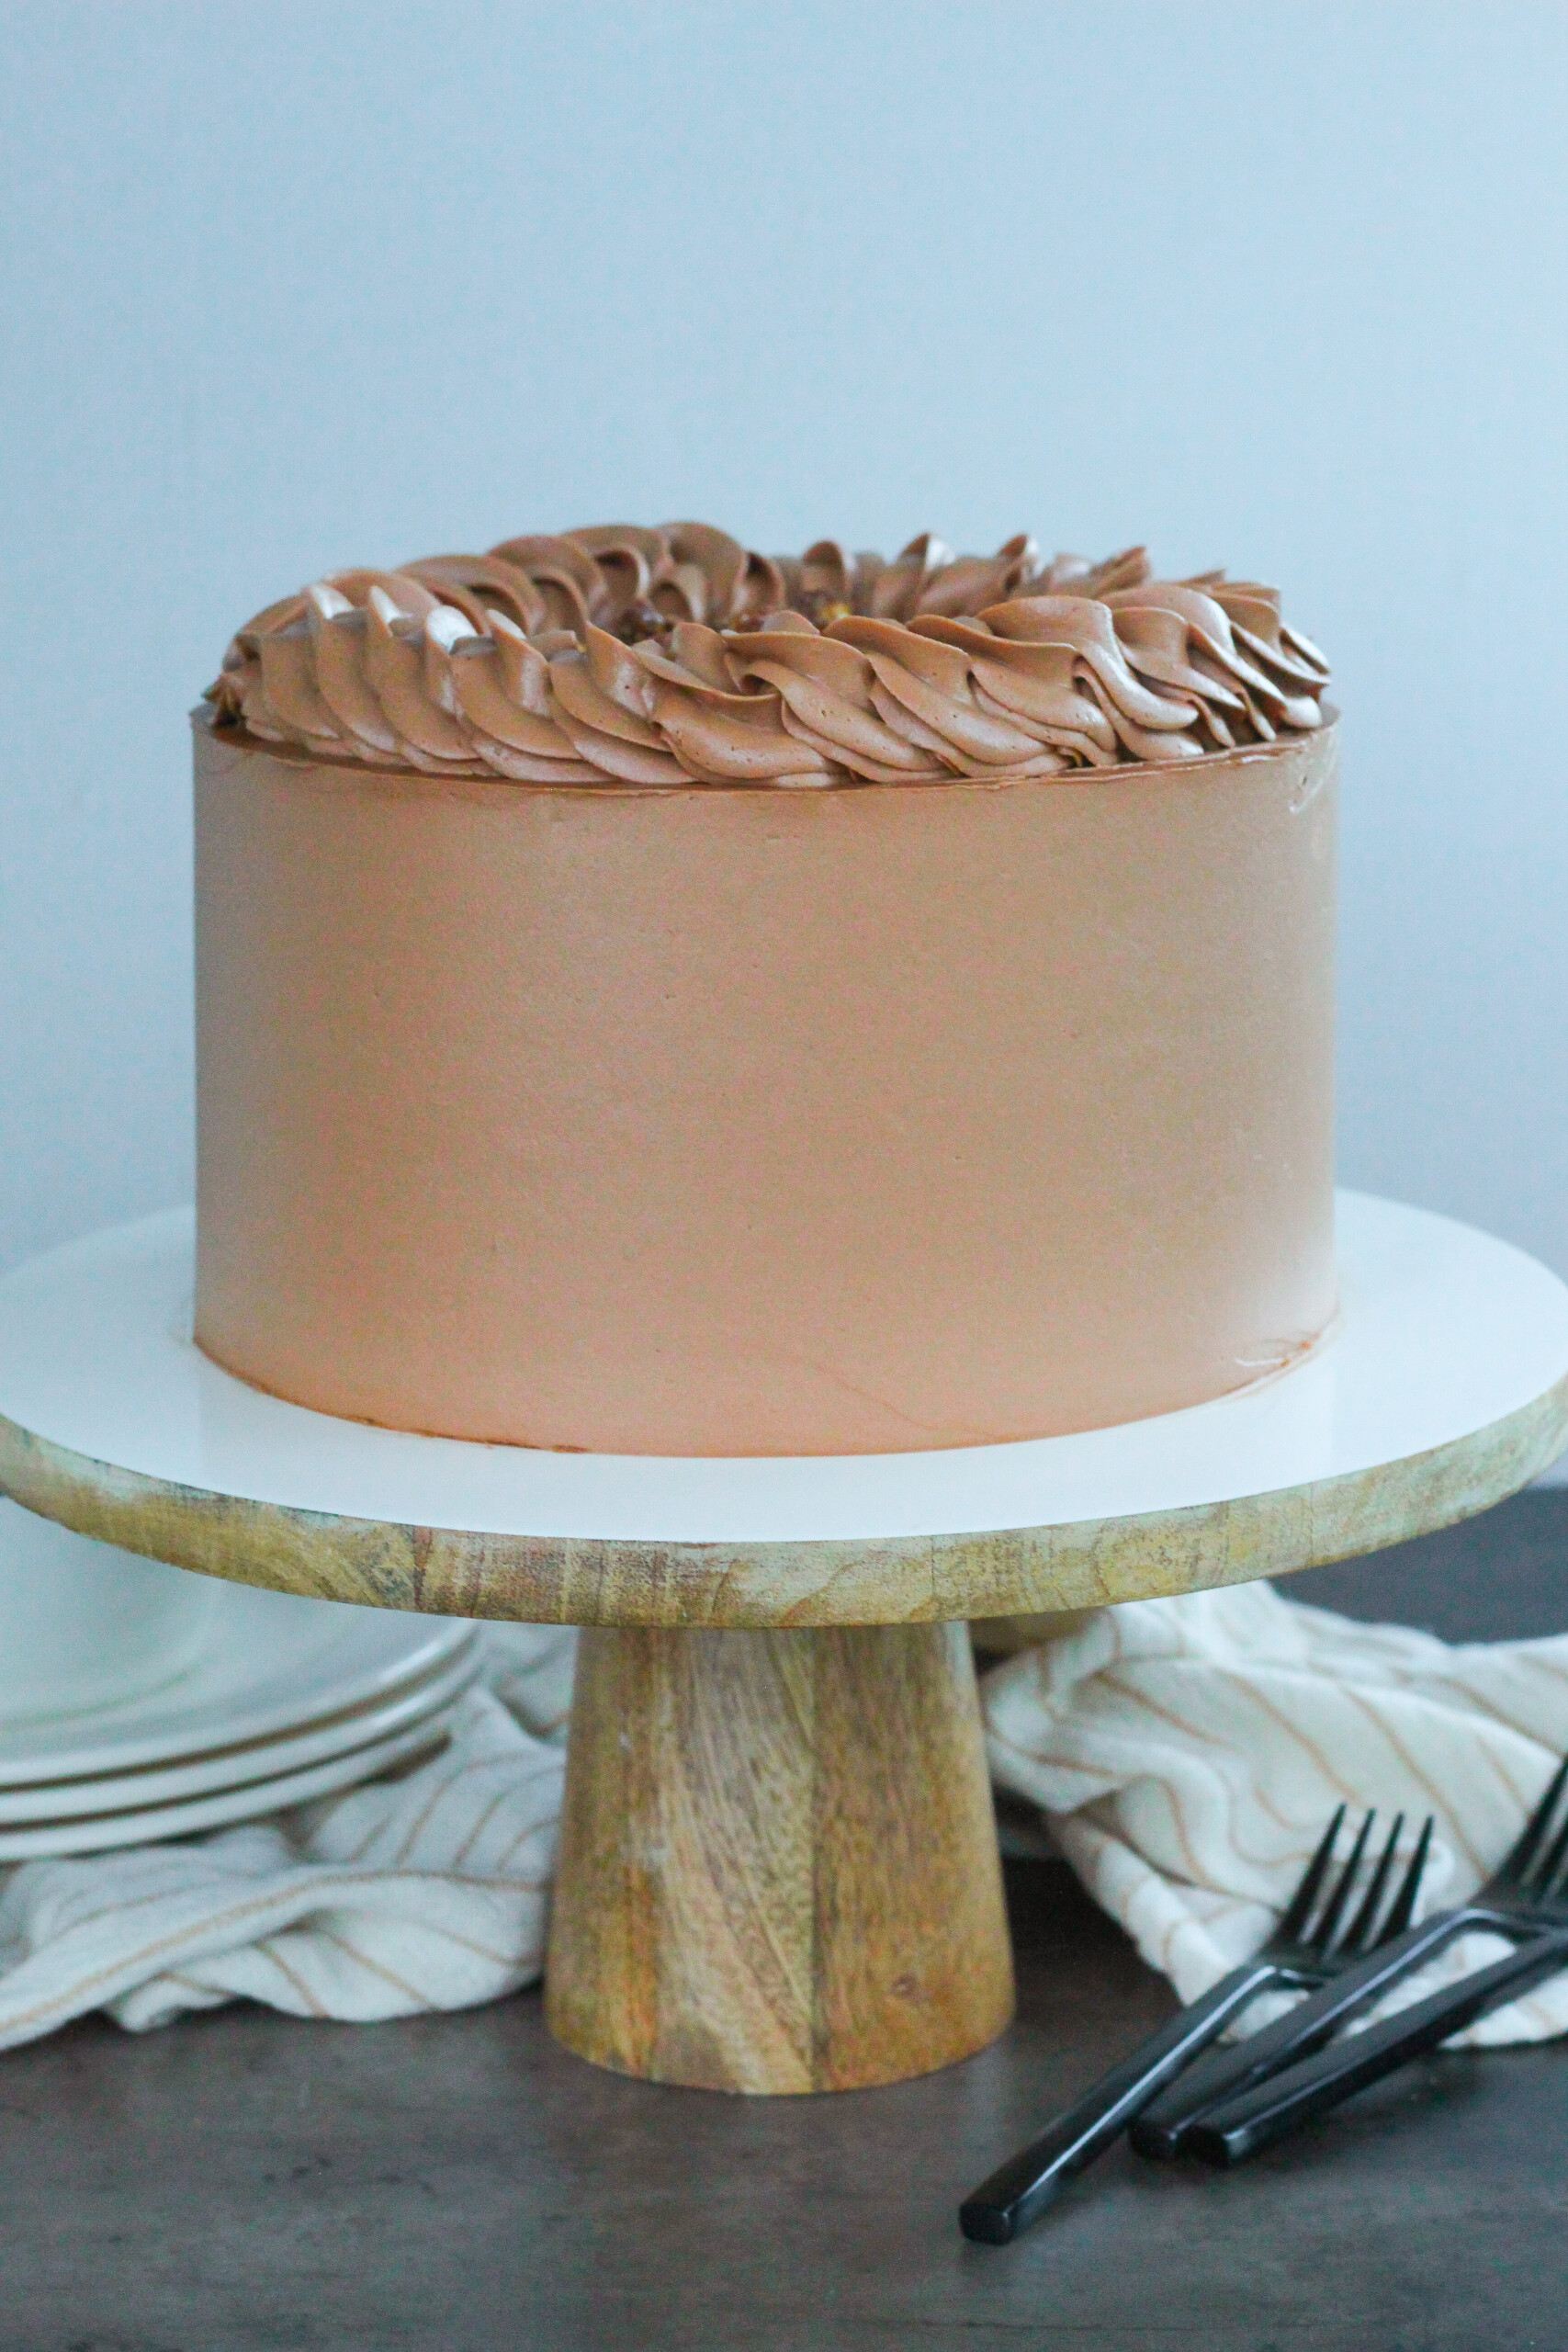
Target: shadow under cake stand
column 778, row 1867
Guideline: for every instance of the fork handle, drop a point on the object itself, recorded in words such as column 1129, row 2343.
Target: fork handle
column 1027, row 2183
column 1230, row 2134
column 1162, row 2129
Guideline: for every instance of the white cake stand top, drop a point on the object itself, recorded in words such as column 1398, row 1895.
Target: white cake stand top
column 1443, row 1387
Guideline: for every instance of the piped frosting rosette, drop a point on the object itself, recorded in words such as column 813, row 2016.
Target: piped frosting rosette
column 622, row 656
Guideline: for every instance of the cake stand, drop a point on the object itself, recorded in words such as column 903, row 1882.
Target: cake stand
column 778, row 1866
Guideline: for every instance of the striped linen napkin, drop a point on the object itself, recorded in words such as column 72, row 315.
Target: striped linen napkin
column 1188, row 1754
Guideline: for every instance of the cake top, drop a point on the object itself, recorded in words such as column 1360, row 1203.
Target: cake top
column 673, row 656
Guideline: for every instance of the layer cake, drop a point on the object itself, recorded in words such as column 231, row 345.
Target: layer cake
column 658, row 999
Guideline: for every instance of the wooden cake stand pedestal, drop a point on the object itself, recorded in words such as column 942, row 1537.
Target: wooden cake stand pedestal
column 778, row 1867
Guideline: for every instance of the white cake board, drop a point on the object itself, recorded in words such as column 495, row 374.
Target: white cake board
column 1445, row 1338
column 1443, row 1332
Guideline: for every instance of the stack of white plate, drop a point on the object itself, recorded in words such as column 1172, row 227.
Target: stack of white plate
column 242, row 1701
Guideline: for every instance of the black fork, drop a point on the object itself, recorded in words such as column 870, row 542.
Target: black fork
column 1307, row 1947
column 1228, row 2133
column 1523, row 1898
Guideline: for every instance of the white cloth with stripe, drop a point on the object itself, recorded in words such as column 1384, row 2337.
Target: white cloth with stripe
column 1188, row 1753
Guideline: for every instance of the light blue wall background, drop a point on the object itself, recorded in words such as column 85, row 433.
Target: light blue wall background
column 1280, row 286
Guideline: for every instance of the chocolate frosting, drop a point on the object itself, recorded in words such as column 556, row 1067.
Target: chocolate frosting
column 620, row 655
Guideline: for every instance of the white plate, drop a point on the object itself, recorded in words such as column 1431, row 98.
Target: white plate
column 270, row 1665
column 85, row 1625
column 95, row 1833
column 232, row 1766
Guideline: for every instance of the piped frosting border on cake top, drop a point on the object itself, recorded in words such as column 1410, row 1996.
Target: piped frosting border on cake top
column 675, row 656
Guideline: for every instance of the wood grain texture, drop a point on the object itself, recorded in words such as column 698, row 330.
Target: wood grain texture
column 1020, row 1572
column 778, row 1869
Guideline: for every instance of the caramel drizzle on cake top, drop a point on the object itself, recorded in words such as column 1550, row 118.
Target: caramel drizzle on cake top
column 674, row 656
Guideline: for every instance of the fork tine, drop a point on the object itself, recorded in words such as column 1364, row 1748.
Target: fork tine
column 1544, row 1876
column 1522, row 1853
column 1323, row 1936
column 1359, row 1935
column 1556, row 1888
column 1403, row 1906
column 1306, row 1895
